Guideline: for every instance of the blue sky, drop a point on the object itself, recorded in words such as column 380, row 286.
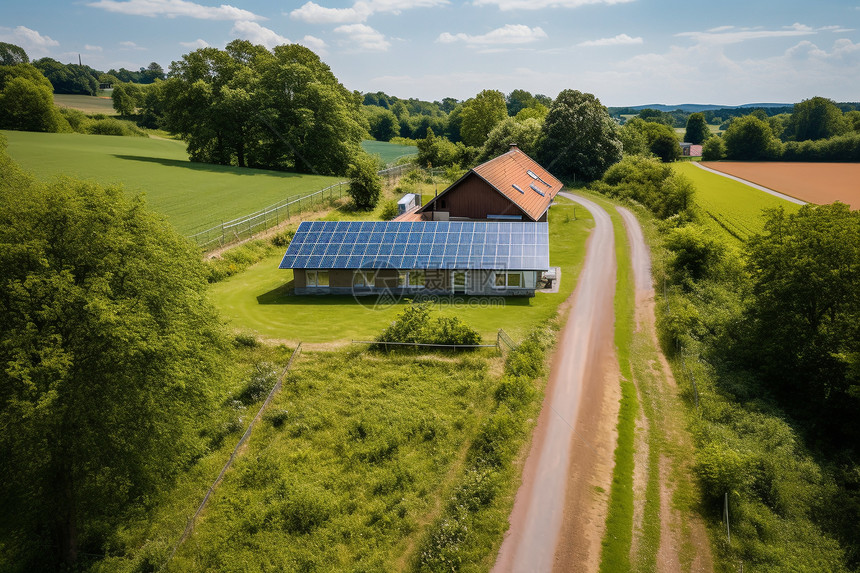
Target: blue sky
column 626, row 52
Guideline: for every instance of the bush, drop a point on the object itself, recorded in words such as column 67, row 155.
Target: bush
column 259, row 384
column 416, row 325
column 714, row 149
column 364, row 184
column 111, row 126
column 389, row 210
column 283, row 239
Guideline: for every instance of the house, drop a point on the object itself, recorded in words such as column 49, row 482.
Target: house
column 691, row 150
column 421, row 257
column 510, row 187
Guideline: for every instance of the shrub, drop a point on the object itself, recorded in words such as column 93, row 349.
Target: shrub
column 259, row 384
column 111, row 126
column 714, row 149
column 283, row 239
column 389, row 210
column 364, row 184
column 416, row 325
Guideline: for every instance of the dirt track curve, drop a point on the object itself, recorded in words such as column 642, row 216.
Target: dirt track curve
column 576, row 377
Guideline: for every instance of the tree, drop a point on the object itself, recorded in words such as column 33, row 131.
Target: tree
column 480, row 115
column 579, row 139
column 69, row 78
column 714, row 149
column 126, row 98
column 524, row 133
column 26, row 100
column 697, row 129
column 108, row 348
column 750, row 138
column 152, row 72
column 519, row 100
column 664, row 145
column 436, row 151
column 365, row 186
column 10, row 54
column 817, row 118
column 803, row 321
column 382, row 122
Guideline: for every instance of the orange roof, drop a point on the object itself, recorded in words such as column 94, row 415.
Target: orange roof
column 519, row 178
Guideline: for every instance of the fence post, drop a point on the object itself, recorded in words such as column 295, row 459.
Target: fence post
column 726, row 513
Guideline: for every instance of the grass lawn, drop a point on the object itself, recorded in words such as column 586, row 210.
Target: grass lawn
column 388, row 152
column 192, row 196
column 256, row 299
column 86, row 104
column 732, row 209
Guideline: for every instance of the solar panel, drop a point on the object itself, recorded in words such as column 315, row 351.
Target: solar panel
column 419, row 244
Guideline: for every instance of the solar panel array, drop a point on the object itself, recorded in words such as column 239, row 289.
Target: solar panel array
column 461, row 245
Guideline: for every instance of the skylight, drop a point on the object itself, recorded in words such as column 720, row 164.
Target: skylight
column 517, row 187
column 537, row 177
column 536, row 190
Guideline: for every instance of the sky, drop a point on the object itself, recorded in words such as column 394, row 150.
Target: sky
column 626, row 52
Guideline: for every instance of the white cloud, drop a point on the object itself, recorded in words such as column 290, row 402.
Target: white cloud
column 195, row 45
column 34, row 43
column 541, row 4
column 257, row 34
column 732, row 35
column 174, row 8
column 506, row 35
column 313, row 13
column 128, row 45
column 89, row 48
column 836, row 29
column 619, row 40
column 365, row 37
column 316, row 44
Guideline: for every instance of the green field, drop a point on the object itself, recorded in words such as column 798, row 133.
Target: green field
column 191, row 195
column 257, row 298
column 732, row 209
column 388, row 152
column 86, row 104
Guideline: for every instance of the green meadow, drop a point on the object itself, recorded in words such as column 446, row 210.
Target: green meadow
column 732, row 209
column 85, row 103
column 388, row 152
column 259, row 299
column 191, row 195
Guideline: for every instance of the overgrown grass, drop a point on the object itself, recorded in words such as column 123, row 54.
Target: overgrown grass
column 86, row 104
column 191, row 195
column 349, row 466
column 260, row 298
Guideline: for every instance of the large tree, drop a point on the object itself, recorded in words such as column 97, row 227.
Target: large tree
column 10, row 54
column 480, row 115
column 524, row 133
column 26, row 100
column 108, row 350
column 804, row 316
column 579, row 139
column 750, row 138
column 816, row 118
column 247, row 106
column 697, row 129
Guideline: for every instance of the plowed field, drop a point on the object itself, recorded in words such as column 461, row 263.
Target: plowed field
column 819, row 183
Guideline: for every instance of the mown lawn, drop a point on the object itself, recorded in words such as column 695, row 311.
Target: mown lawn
column 732, row 209
column 86, row 104
column 388, row 152
column 258, row 299
column 191, row 195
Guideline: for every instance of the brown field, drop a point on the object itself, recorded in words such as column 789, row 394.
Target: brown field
column 819, row 183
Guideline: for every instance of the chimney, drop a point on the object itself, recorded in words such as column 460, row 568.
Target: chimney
column 513, row 146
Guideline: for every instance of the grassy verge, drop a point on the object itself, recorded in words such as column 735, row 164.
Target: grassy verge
column 617, row 540
column 259, row 299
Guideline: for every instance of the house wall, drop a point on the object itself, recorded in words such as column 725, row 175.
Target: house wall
column 474, row 198
column 299, row 278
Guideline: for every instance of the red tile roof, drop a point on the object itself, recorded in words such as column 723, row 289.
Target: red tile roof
column 519, row 178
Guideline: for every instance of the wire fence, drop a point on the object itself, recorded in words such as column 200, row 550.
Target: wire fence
column 249, row 225
column 193, row 519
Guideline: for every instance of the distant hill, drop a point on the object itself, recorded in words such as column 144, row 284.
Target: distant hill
column 694, row 107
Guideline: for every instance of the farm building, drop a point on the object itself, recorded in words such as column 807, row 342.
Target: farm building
column 422, row 257
column 510, row 187
column 690, row 150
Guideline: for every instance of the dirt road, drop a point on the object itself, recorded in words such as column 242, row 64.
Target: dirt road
column 575, row 379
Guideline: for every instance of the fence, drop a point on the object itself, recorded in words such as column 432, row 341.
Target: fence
column 190, row 525
column 273, row 215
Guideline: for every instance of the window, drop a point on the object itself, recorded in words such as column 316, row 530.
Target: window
column 317, row 278
column 416, row 279
column 459, row 280
column 509, row 280
column 403, row 278
column 363, row 278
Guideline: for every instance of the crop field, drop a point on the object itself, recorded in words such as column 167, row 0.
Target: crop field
column 191, row 195
column 86, row 104
column 819, row 183
column 388, row 152
column 732, row 208
column 259, row 299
